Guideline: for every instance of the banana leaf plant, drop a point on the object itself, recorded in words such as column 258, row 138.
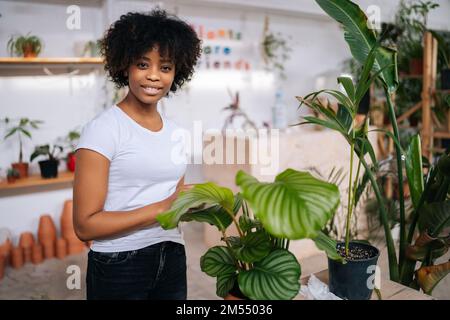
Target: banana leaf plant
column 266, row 215
column 381, row 63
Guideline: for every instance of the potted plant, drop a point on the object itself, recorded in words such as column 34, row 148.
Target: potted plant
column 431, row 207
column 22, row 128
column 257, row 264
column 12, row 175
column 70, row 142
column 27, row 46
column 49, row 167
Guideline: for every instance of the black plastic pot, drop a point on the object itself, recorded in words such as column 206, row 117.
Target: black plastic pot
column 445, row 79
column 353, row 280
column 49, row 168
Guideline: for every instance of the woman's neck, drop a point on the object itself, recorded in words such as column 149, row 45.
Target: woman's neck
column 140, row 110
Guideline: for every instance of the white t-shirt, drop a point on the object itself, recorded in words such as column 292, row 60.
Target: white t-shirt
column 145, row 167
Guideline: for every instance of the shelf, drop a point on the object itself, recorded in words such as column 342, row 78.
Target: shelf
column 5, row 61
column 36, row 181
column 442, row 135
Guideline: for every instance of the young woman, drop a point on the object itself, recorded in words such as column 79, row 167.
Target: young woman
column 125, row 173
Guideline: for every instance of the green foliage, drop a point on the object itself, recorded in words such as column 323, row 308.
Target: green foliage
column 294, row 206
column 21, row 127
column 45, row 150
column 18, row 45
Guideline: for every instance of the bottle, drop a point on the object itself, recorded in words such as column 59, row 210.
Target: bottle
column 279, row 112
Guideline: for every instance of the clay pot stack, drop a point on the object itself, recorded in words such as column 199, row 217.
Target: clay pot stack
column 17, row 257
column 47, row 236
column 74, row 245
column 26, row 242
column 5, row 250
column 37, row 255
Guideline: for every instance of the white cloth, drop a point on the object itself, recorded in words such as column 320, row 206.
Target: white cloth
column 145, row 168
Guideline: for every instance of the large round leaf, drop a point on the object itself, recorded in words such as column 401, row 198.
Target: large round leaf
column 206, row 193
column 295, row 206
column 253, row 247
column 276, row 277
column 225, row 283
column 217, row 261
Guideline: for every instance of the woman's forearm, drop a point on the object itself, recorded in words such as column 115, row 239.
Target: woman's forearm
column 107, row 224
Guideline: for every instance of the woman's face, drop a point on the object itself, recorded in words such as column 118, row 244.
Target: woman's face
column 151, row 76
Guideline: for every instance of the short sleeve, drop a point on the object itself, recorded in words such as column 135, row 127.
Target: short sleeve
column 100, row 135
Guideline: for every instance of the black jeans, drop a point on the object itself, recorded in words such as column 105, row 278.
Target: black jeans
column 157, row 272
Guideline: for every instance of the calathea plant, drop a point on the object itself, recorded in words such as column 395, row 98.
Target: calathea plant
column 266, row 215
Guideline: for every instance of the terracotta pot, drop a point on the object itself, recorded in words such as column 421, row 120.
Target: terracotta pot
column 49, row 249
column 2, row 267
column 71, row 162
column 17, row 257
column 5, row 244
column 5, row 251
column 11, row 179
column 61, row 248
column 28, row 51
column 37, row 255
column 26, row 242
column 47, row 230
column 22, row 168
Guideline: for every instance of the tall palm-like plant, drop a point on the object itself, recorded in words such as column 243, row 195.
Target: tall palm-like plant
column 431, row 205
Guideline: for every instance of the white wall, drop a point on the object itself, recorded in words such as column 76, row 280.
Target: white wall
column 64, row 102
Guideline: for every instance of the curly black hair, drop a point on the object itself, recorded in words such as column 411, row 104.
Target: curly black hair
column 134, row 34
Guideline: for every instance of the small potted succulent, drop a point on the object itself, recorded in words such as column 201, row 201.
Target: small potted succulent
column 257, row 264
column 49, row 167
column 21, row 129
column 27, row 46
column 12, row 175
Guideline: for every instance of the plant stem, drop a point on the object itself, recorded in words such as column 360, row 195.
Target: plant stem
column 392, row 257
column 235, row 223
column 398, row 152
column 20, row 147
column 349, row 202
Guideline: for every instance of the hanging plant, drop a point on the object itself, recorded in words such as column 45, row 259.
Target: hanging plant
column 275, row 50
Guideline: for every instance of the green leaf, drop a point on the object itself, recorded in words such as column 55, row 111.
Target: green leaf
column 225, row 283
column 361, row 39
column 10, row 133
column 344, row 118
column 324, row 123
column 414, row 170
column 325, row 243
column 215, row 216
column 434, row 217
column 276, row 277
column 246, row 223
column 25, row 132
column 429, row 277
column 254, row 246
column 347, row 83
column 201, row 194
column 295, row 206
column 218, row 261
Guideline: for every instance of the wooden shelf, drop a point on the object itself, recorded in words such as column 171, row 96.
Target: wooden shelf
column 37, row 180
column 5, row 61
column 442, row 135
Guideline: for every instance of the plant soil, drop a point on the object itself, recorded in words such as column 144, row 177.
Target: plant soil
column 355, row 253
